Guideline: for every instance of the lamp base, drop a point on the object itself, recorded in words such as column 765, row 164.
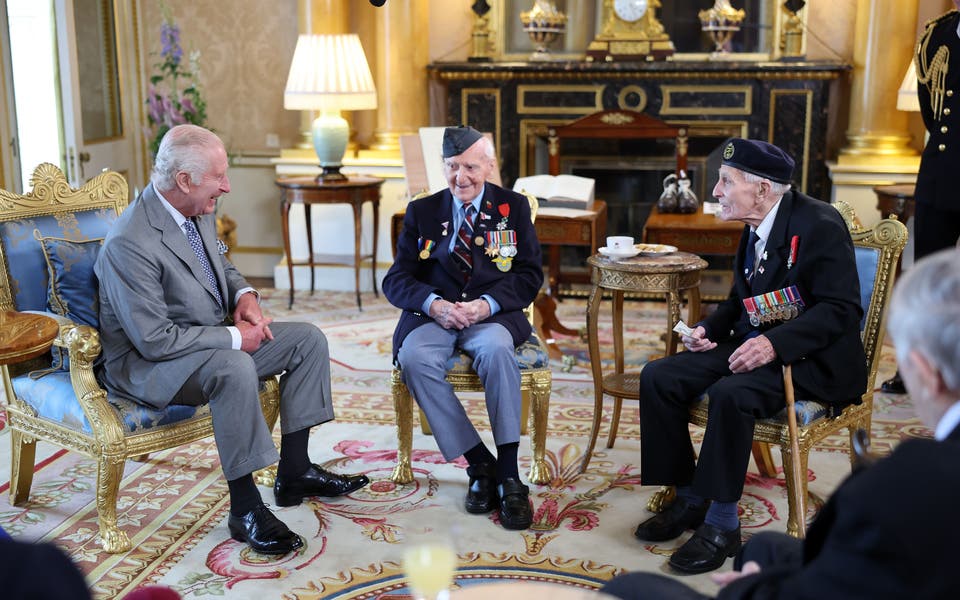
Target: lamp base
column 330, row 173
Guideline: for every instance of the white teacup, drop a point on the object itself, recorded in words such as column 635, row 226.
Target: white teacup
column 619, row 243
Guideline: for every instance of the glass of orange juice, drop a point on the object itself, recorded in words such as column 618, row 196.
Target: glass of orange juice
column 429, row 562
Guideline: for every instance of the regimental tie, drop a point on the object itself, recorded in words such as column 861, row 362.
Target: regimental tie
column 193, row 236
column 461, row 248
column 750, row 257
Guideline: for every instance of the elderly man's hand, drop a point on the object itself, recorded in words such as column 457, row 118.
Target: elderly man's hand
column 752, row 354
column 253, row 335
column 698, row 342
column 476, row 310
column 449, row 315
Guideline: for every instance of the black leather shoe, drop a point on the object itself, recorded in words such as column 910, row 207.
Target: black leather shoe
column 672, row 521
column 894, row 385
column 515, row 512
column 482, row 491
column 315, row 482
column 263, row 531
column 706, row 550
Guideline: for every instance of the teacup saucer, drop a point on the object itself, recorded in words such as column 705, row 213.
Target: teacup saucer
column 623, row 253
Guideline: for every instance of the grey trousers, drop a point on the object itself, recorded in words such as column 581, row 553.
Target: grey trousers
column 229, row 382
column 423, row 357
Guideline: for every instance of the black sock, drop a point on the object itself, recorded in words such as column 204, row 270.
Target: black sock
column 507, row 461
column 244, row 495
column 478, row 455
column 294, row 460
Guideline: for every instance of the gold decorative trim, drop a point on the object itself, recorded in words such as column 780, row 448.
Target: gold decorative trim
column 632, row 89
column 495, row 92
column 529, row 131
column 669, row 108
column 524, row 108
column 507, row 75
column 807, row 125
column 732, row 128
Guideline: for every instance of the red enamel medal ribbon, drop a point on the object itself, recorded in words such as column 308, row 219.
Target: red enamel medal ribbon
column 794, row 244
column 504, row 210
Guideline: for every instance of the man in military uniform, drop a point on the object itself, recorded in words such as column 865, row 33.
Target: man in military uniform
column 468, row 263
column 795, row 300
column 936, row 222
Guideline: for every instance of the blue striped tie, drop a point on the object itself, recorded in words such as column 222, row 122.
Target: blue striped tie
column 461, row 248
column 193, row 236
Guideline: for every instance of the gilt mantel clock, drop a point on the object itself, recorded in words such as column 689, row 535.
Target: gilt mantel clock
column 630, row 31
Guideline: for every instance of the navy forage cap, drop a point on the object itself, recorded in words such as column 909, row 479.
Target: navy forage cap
column 760, row 158
column 456, row 140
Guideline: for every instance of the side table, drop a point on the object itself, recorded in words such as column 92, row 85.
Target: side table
column 671, row 275
column 25, row 335
column 308, row 191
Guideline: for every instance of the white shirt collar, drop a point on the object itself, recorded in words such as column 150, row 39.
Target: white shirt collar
column 948, row 422
column 763, row 230
column 176, row 214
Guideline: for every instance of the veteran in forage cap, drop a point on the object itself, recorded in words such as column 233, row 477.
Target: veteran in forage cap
column 467, row 263
column 794, row 300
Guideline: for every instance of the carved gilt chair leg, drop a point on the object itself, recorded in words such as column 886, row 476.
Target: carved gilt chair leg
column 109, row 472
column 23, row 453
column 524, row 410
column 539, row 472
column 796, row 490
column 662, row 498
column 764, row 459
column 403, row 409
column 865, row 423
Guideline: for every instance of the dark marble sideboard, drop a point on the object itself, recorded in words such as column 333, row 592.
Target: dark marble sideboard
column 782, row 102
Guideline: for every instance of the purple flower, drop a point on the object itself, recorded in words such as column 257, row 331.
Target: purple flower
column 187, row 105
column 170, row 42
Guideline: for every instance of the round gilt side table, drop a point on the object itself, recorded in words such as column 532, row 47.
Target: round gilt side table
column 673, row 275
column 25, row 335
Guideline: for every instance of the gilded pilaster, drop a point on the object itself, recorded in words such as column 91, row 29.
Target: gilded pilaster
column 401, row 76
column 877, row 130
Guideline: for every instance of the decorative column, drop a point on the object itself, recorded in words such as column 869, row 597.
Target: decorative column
column 882, row 52
column 401, row 75
column 878, row 150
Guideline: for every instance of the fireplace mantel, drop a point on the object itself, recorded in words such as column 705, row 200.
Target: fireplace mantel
column 782, row 102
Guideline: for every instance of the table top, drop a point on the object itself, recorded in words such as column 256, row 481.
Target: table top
column 526, row 590
column 25, row 335
column 674, row 262
column 311, row 182
column 696, row 221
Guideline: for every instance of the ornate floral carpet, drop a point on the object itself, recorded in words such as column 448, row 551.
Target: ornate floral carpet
column 174, row 505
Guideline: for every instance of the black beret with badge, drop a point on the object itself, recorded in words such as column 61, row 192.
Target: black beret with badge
column 456, row 140
column 760, row 158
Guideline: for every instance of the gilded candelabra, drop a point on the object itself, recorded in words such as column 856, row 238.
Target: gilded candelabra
column 720, row 23
column 543, row 23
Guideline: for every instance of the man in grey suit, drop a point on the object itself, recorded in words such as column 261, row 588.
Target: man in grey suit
column 180, row 325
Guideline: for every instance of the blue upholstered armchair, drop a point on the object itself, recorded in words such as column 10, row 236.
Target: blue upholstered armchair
column 49, row 240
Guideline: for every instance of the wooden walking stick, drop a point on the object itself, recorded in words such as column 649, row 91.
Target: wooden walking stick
column 800, row 499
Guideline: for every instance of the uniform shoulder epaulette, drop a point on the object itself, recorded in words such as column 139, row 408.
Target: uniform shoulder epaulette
column 936, row 20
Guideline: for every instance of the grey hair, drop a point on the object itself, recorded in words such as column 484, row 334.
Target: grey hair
column 776, row 189
column 925, row 313
column 178, row 152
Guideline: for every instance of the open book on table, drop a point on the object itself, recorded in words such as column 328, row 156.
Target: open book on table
column 558, row 191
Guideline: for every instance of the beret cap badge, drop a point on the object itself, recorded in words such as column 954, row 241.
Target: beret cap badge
column 728, row 151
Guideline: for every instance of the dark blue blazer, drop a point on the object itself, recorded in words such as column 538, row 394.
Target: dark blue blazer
column 823, row 344
column 889, row 531
column 412, row 279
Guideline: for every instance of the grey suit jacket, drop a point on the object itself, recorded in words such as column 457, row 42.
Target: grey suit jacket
column 159, row 319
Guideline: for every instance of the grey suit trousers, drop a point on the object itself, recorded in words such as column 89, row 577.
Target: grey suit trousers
column 229, row 382
column 423, row 358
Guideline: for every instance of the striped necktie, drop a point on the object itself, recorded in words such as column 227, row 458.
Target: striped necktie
column 193, row 236
column 750, row 257
column 461, row 248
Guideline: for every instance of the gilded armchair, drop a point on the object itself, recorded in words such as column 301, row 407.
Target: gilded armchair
column 878, row 250
column 54, row 232
column 535, row 384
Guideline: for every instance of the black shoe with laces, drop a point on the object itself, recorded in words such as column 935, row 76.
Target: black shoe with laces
column 263, row 531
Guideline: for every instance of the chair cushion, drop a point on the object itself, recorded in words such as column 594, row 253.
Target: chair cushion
column 807, row 411
column 73, row 285
column 530, row 355
column 867, row 262
column 52, row 397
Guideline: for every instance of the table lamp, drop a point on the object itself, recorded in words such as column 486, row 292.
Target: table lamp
column 329, row 73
